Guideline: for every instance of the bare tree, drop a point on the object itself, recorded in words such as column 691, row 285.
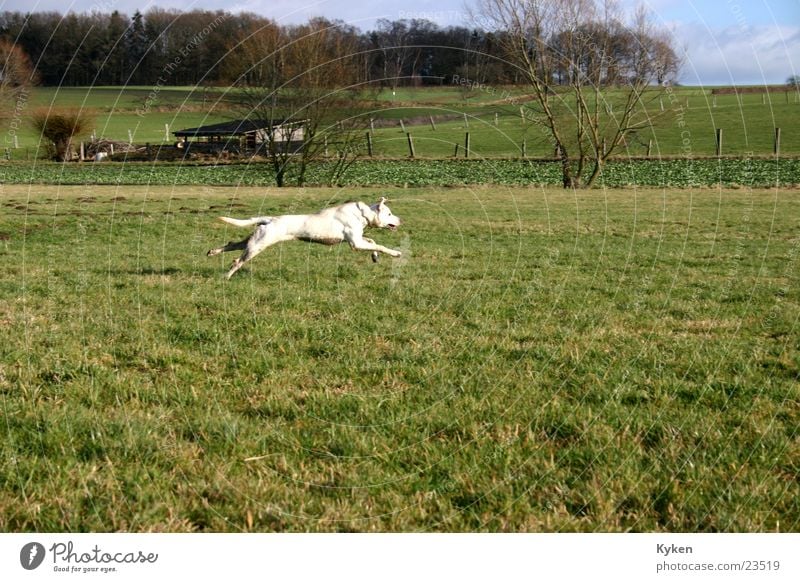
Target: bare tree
column 393, row 39
column 592, row 74
column 16, row 74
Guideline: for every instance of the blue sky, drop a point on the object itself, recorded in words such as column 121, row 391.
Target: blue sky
column 725, row 41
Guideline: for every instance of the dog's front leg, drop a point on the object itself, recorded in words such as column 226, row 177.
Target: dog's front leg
column 361, row 244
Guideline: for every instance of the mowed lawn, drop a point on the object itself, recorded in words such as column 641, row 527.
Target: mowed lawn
column 539, row 360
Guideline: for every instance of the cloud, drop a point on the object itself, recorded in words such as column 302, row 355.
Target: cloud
column 740, row 54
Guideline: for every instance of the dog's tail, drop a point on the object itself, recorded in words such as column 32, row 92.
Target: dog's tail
column 246, row 221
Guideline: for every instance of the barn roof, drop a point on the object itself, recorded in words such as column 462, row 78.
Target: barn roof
column 229, row 128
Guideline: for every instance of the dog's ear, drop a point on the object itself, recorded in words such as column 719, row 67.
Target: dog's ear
column 382, row 201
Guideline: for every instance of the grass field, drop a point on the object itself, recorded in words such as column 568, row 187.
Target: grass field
column 686, row 126
column 539, row 360
column 143, row 111
column 498, row 130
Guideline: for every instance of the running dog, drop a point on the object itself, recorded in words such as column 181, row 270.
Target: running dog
column 344, row 223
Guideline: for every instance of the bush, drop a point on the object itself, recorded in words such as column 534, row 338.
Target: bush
column 60, row 128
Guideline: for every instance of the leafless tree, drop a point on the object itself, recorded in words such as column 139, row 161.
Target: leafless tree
column 393, row 39
column 17, row 75
column 592, row 74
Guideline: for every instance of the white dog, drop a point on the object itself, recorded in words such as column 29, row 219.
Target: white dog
column 329, row 227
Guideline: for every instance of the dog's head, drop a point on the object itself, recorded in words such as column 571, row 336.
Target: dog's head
column 383, row 216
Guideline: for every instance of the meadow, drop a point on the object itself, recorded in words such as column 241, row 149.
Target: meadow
column 539, row 360
column 684, row 121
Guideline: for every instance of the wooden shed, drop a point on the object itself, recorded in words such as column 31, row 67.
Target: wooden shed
column 243, row 134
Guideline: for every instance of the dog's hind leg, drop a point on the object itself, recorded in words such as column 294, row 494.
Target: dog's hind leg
column 237, row 264
column 231, row 246
column 262, row 238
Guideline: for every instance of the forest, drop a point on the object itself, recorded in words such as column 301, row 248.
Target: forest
column 210, row 48
column 198, row 47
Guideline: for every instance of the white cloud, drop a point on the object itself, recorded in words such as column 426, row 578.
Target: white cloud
column 741, row 54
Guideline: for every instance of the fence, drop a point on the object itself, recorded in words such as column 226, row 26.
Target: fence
column 466, row 149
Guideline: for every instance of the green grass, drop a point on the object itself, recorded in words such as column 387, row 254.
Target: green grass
column 116, row 110
column 747, row 128
column 539, row 360
column 748, row 124
column 131, row 97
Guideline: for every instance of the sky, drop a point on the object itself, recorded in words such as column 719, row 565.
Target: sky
column 723, row 42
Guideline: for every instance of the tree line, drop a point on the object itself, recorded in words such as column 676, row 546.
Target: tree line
column 170, row 47
column 215, row 48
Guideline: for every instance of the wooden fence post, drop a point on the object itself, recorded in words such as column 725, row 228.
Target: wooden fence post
column 372, row 125
column 455, row 152
column 466, row 146
column 402, row 126
column 649, row 147
column 433, row 124
column 369, row 144
column 719, row 141
column 466, row 122
column 524, row 148
column 410, row 145
column 777, row 146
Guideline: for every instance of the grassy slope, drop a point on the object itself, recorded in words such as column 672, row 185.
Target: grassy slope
column 540, row 360
column 748, row 127
column 142, row 110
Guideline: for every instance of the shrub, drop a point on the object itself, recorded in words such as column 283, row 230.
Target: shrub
column 60, row 128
